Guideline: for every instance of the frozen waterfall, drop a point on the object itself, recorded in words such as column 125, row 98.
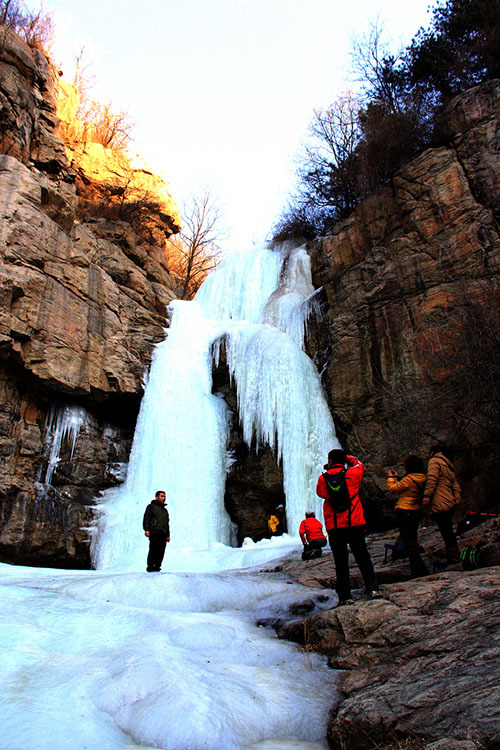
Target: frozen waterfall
column 257, row 303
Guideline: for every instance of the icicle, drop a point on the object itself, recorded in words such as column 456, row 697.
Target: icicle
column 63, row 424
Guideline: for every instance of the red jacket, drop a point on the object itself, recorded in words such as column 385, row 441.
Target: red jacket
column 353, row 477
column 310, row 529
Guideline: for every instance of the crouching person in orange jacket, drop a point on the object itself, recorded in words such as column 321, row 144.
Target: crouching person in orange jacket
column 345, row 522
column 311, row 533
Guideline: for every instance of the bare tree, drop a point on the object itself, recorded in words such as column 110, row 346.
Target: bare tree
column 197, row 247
column 95, row 122
column 373, row 65
column 35, row 27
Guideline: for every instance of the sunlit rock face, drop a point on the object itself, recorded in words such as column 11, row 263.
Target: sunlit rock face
column 84, row 299
column 413, row 266
column 101, row 173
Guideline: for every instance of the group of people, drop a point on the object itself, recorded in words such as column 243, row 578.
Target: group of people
column 436, row 492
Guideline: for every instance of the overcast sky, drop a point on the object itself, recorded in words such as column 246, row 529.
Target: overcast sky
column 221, row 91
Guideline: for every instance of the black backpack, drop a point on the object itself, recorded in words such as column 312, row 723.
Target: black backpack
column 470, row 557
column 338, row 493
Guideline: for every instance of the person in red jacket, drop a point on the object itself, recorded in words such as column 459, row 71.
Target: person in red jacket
column 347, row 528
column 311, row 533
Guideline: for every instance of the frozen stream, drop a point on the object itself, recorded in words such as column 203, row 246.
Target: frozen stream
column 101, row 660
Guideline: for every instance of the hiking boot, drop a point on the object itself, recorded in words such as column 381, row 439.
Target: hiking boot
column 374, row 595
column 345, row 602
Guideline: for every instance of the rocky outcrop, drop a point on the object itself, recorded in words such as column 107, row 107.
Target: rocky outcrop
column 422, row 663
column 84, row 297
column 410, row 282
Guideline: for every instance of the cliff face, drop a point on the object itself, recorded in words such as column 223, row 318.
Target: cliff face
column 411, row 298
column 83, row 302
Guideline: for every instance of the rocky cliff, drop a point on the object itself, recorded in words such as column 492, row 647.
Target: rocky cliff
column 84, row 291
column 409, row 343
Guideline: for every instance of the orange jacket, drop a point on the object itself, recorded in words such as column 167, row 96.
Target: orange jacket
column 410, row 490
column 442, row 487
column 310, row 529
column 353, row 477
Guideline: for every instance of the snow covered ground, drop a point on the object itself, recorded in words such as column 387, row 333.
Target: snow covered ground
column 104, row 659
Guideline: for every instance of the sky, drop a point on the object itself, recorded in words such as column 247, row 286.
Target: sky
column 221, row 91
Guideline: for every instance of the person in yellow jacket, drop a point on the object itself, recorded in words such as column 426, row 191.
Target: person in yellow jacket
column 410, row 490
column 276, row 523
column 441, row 496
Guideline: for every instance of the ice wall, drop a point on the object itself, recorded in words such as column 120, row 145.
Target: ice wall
column 259, row 302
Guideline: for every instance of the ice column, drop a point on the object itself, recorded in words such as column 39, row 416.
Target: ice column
column 63, row 424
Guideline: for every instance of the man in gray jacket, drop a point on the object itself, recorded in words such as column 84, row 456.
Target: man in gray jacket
column 157, row 527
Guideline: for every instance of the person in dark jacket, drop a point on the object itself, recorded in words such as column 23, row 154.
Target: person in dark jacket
column 347, row 527
column 156, row 525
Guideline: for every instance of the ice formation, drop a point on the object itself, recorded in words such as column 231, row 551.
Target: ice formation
column 257, row 303
column 63, row 424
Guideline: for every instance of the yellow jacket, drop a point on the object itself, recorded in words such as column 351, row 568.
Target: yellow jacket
column 442, row 487
column 272, row 523
column 410, row 490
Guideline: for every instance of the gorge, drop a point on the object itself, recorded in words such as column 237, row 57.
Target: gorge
column 404, row 281
column 234, row 407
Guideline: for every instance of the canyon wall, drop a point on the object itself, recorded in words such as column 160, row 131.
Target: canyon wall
column 409, row 343
column 84, row 295
column 410, row 299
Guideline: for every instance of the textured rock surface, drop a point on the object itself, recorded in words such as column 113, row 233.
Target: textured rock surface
column 423, row 662
column 83, row 302
column 401, row 278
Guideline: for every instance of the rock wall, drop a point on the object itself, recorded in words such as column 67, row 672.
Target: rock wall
column 84, row 299
column 410, row 285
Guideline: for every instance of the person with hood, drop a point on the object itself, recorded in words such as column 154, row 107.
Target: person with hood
column 409, row 490
column 346, row 527
column 311, row 534
column 441, row 497
column 156, row 525
column 276, row 523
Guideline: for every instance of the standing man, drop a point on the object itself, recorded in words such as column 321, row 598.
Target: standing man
column 157, row 527
column 441, row 497
column 345, row 522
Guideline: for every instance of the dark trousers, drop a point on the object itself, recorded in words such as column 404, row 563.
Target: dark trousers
column 157, row 544
column 313, row 549
column 444, row 520
column 408, row 521
column 354, row 537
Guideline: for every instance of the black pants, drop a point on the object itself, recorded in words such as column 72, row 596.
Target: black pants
column 157, row 544
column 354, row 537
column 444, row 520
column 408, row 521
column 313, row 547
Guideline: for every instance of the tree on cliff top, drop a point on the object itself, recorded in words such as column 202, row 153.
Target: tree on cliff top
column 402, row 96
column 35, row 27
column 196, row 250
column 96, row 122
